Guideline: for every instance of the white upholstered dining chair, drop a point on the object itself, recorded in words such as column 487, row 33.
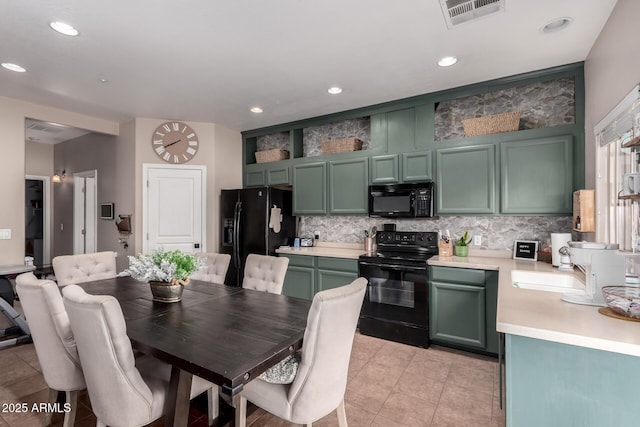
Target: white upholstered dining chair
column 214, row 269
column 72, row 269
column 124, row 391
column 265, row 273
column 53, row 340
column 321, row 380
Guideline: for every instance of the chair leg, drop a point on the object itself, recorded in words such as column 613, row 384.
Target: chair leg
column 213, row 405
column 342, row 415
column 241, row 410
column 70, row 417
column 53, row 396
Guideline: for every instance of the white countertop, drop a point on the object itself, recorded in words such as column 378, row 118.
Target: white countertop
column 15, row 269
column 543, row 315
column 327, row 249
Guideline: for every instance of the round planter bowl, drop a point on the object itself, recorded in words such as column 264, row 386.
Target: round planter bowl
column 166, row 292
column 461, row 250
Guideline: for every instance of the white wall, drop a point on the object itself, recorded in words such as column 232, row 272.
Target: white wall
column 12, row 163
column 220, row 151
column 612, row 69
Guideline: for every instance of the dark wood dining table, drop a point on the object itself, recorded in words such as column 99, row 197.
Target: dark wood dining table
column 226, row 335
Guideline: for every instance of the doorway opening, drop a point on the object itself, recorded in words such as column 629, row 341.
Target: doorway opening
column 84, row 211
column 37, row 219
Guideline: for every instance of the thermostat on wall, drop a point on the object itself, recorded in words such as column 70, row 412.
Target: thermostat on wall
column 526, row 250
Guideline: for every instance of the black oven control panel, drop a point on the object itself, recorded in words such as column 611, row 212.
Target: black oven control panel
column 407, row 239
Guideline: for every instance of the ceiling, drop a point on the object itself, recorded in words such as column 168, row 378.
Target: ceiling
column 210, row 61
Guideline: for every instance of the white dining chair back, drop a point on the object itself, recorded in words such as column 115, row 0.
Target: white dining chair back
column 265, row 273
column 123, row 391
column 72, row 269
column 321, row 380
column 214, row 269
column 52, row 338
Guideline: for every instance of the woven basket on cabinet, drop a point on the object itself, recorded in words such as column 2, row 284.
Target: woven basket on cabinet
column 271, row 155
column 505, row 122
column 341, row 145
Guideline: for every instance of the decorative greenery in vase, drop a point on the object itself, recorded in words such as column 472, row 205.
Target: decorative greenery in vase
column 462, row 245
column 173, row 267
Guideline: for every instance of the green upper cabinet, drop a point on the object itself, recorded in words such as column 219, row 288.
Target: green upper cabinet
column 254, row 177
column 385, row 169
column 401, row 130
column 537, row 176
column 310, row 188
column 404, row 130
column 466, row 180
column 416, row 166
column 278, row 175
column 348, row 186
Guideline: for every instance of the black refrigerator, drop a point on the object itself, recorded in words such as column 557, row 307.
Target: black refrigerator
column 245, row 217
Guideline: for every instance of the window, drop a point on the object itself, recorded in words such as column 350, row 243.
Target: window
column 618, row 156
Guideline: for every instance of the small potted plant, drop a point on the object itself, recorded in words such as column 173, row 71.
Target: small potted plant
column 166, row 272
column 462, row 245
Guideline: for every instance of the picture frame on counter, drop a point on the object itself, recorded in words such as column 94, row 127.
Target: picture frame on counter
column 525, row 250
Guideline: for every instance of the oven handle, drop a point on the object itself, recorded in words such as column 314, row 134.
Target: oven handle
column 393, row 266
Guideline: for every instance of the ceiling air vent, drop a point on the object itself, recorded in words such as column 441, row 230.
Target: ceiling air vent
column 460, row 11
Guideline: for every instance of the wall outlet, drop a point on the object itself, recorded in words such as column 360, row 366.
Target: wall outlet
column 5, row 233
column 477, row 240
column 316, row 235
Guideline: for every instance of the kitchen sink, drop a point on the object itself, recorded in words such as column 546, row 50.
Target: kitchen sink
column 550, row 282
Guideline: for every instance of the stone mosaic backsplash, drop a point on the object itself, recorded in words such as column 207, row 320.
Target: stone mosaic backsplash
column 275, row 140
column 497, row 232
column 313, row 136
column 543, row 104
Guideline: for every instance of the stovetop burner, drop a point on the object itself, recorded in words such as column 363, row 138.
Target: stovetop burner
column 409, row 247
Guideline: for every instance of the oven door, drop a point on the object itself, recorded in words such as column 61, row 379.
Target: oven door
column 395, row 293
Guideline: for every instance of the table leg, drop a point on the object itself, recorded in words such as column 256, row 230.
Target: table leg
column 177, row 403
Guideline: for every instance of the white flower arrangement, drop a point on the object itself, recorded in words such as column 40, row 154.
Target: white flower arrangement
column 173, row 266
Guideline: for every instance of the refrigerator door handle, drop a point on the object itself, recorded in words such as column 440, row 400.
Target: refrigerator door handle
column 236, row 236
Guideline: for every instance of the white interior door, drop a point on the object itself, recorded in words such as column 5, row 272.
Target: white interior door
column 84, row 212
column 174, row 211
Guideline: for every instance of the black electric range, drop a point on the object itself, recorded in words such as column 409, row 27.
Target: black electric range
column 396, row 305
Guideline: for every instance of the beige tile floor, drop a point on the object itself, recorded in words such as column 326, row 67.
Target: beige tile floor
column 389, row 384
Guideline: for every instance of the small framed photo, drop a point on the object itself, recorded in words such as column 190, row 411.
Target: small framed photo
column 526, row 250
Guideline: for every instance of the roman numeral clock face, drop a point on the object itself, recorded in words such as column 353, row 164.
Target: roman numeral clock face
column 175, row 142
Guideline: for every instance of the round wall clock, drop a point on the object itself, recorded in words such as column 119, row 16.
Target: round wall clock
column 174, row 142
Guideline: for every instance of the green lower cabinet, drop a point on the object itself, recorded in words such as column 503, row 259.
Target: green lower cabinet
column 300, row 279
column 307, row 275
column 536, row 176
column 466, row 179
column 310, row 189
column 348, row 186
column 554, row 384
column 462, row 308
column 417, row 166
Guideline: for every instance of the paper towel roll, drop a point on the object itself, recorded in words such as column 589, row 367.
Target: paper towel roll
column 558, row 240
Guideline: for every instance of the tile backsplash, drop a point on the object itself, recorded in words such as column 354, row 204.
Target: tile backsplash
column 498, row 232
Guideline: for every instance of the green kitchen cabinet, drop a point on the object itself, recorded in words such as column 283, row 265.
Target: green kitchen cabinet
column 310, row 188
column 307, row 275
column 335, row 272
column 536, row 176
column 278, row 175
column 417, row 166
column 466, row 179
column 254, row 177
column 348, row 186
column 299, row 281
column 385, row 169
column 462, row 308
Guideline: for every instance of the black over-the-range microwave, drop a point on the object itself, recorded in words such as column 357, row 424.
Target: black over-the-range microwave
column 401, row 200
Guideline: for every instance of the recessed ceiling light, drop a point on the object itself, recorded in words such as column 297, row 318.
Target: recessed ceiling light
column 447, row 61
column 103, row 80
column 334, row 90
column 14, row 67
column 64, row 28
column 256, row 110
column 557, row 25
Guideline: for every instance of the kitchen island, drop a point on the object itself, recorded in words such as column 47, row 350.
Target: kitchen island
column 566, row 364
